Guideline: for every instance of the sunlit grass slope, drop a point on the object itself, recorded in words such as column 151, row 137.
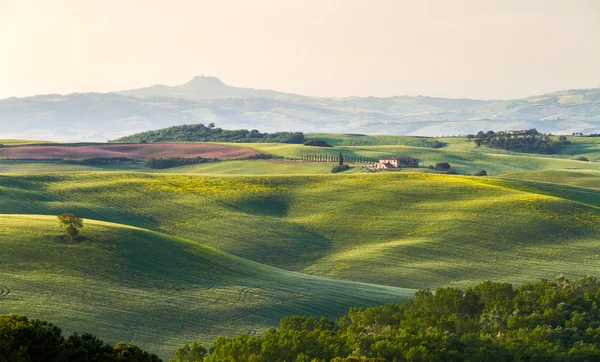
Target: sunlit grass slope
column 260, row 167
column 580, row 146
column 157, row 291
column 18, row 142
column 578, row 178
column 372, row 140
column 582, row 186
column 409, row 230
column 41, row 167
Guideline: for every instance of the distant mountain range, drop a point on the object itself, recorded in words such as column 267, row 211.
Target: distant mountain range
column 104, row 116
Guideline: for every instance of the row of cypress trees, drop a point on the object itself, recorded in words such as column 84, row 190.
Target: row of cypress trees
column 330, row 157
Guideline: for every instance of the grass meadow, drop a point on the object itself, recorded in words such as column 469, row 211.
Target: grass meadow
column 406, row 230
column 189, row 253
column 157, row 291
column 463, row 155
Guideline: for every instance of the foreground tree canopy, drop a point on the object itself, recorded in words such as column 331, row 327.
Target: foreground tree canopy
column 202, row 133
column 546, row 321
column 29, row 340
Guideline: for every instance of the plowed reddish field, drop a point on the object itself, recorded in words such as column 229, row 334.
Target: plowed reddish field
column 134, row 151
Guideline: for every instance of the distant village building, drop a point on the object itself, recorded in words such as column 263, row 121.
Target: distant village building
column 513, row 132
column 396, row 162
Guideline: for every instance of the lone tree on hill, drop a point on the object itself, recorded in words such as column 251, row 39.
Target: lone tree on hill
column 72, row 223
column 341, row 159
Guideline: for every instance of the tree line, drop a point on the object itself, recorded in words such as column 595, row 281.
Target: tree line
column 210, row 133
column 529, row 141
column 551, row 320
column 580, row 134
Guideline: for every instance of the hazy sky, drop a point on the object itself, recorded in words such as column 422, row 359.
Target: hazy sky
column 477, row 49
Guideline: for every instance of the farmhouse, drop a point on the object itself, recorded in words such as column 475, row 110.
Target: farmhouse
column 396, row 162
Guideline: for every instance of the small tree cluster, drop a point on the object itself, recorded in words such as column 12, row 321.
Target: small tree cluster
column 530, row 141
column 210, row 133
column 72, row 224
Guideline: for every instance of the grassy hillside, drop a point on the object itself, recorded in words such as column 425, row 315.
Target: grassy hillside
column 409, row 230
column 7, row 166
column 157, row 291
column 579, row 178
column 463, row 156
column 260, row 167
column 18, row 142
column 371, row 140
column 586, row 146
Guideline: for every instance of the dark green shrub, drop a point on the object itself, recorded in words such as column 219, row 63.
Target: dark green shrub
column 317, row 143
column 340, row 168
column 442, row 166
column 480, row 173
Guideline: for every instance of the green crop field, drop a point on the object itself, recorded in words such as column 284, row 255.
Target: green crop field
column 157, row 291
column 11, row 167
column 407, row 230
column 579, row 178
column 260, row 167
column 464, row 157
column 17, row 142
column 189, row 253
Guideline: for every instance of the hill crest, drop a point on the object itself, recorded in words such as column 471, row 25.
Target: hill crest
column 103, row 116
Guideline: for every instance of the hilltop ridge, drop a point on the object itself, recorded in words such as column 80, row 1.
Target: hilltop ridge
column 205, row 99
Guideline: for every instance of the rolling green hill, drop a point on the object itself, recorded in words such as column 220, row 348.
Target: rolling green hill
column 463, row 155
column 407, row 230
column 163, row 264
column 589, row 179
column 128, row 284
column 260, row 167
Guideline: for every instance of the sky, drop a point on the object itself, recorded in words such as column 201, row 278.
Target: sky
column 484, row 49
